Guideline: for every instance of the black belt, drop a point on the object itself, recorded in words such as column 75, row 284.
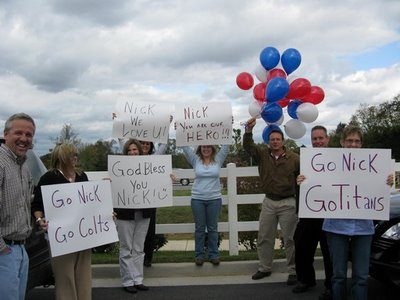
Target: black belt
column 13, row 242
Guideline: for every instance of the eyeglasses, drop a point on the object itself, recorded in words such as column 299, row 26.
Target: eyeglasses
column 351, row 141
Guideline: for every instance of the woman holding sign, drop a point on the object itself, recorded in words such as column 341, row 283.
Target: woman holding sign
column 206, row 198
column 132, row 226
column 355, row 234
column 72, row 272
column 148, row 149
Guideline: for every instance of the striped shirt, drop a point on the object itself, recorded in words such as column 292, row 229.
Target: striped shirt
column 16, row 187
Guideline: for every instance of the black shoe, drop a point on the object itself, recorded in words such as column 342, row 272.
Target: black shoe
column 326, row 295
column 199, row 261
column 130, row 289
column 302, row 287
column 292, row 279
column 147, row 263
column 215, row 261
column 141, row 287
column 260, row 275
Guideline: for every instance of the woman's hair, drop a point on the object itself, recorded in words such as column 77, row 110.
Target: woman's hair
column 61, row 157
column 351, row 129
column 151, row 150
column 214, row 152
column 130, row 142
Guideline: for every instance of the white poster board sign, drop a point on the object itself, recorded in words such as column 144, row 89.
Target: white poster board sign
column 203, row 124
column 79, row 215
column 345, row 183
column 140, row 181
column 142, row 121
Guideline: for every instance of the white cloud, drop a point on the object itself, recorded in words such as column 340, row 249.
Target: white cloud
column 69, row 61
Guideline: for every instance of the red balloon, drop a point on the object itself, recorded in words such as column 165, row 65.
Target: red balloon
column 244, row 81
column 276, row 73
column 299, row 88
column 315, row 96
column 284, row 102
column 259, row 91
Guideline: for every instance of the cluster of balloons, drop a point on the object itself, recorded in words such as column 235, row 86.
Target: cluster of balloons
column 274, row 92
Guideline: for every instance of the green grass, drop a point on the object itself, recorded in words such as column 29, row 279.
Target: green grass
column 176, row 257
column 186, row 256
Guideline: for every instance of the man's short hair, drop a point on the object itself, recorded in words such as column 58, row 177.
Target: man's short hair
column 319, row 127
column 277, row 131
column 18, row 116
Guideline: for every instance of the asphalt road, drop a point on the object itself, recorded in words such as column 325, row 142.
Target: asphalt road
column 275, row 291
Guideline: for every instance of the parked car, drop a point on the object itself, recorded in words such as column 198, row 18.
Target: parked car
column 385, row 251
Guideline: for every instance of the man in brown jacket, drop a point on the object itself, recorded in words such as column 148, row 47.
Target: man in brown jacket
column 278, row 169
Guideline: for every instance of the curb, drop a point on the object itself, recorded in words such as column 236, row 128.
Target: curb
column 174, row 274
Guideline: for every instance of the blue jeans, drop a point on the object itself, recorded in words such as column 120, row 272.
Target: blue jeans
column 206, row 213
column 360, row 255
column 14, row 273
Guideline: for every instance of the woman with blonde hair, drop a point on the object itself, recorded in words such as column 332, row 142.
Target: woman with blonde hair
column 72, row 272
column 206, row 198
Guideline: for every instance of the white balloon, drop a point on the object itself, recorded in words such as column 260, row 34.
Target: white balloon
column 255, row 109
column 261, row 73
column 295, row 129
column 279, row 122
column 307, row 112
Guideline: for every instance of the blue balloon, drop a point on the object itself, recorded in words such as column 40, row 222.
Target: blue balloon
column 277, row 89
column 267, row 131
column 271, row 112
column 292, row 108
column 290, row 60
column 269, row 58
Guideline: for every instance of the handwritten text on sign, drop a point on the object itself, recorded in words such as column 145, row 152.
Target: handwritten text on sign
column 142, row 120
column 203, row 124
column 79, row 215
column 345, row 183
column 140, row 181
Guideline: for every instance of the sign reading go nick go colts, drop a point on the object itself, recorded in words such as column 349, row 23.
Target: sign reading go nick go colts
column 79, row 215
column 140, row 181
column 207, row 123
column 143, row 121
column 345, row 183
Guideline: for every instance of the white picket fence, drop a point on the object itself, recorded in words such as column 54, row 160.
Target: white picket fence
column 232, row 199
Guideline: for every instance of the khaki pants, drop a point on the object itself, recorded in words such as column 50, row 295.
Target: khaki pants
column 73, row 275
column 274, row 212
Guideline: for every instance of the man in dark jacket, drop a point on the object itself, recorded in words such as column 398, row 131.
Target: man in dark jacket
column 308, row 233
column 278, row 169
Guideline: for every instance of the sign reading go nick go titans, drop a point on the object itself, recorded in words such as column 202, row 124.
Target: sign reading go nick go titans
column 345, row 183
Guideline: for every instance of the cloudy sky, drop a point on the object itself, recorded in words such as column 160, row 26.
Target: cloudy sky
column 69, row 61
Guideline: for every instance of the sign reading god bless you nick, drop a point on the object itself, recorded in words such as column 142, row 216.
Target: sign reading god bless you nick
column 345, row 183
column 143, row 121
column 203, row 124
column 79, row 215
column 140, row 181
